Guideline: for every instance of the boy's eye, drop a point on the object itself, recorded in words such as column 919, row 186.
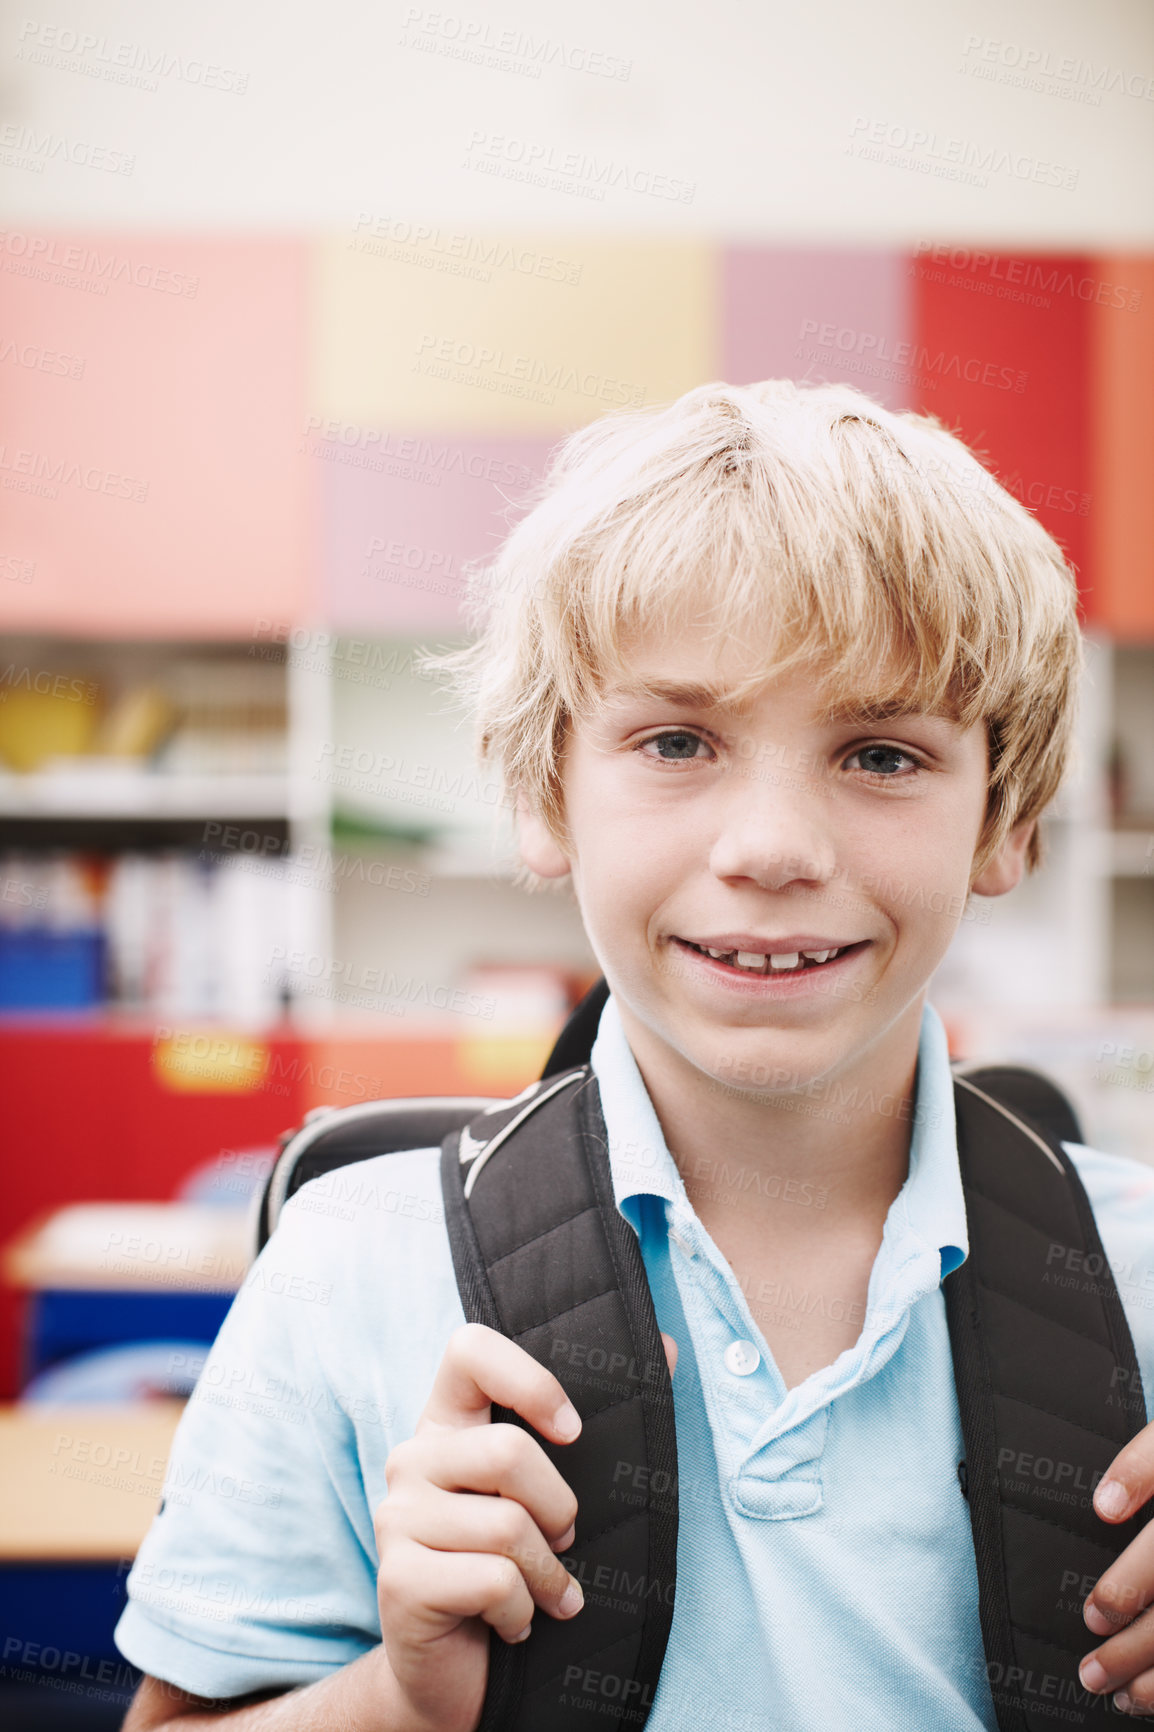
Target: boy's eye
column 682, row 745
column 882, row 760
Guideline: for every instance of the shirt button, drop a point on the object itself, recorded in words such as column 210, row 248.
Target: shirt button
column 742, row 1357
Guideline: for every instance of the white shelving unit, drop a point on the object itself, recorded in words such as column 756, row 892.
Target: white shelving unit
column 124, row 792
column 217, row 788
column 398, row 762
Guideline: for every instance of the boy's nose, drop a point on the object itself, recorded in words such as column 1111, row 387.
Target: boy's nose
column 775, row 837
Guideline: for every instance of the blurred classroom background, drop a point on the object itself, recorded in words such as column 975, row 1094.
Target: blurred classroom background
column 292, row 310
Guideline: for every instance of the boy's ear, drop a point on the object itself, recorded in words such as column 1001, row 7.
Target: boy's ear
column 1004, row 870
column 538, row 851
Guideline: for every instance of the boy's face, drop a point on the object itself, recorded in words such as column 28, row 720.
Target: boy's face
column 775, row 831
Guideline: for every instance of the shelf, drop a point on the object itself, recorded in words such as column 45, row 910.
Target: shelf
column 133, row 793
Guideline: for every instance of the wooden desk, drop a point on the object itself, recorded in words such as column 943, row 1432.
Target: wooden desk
column 81, row 1483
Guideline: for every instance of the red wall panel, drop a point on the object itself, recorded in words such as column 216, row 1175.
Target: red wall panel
column 1003, row 358
column 88, row 1118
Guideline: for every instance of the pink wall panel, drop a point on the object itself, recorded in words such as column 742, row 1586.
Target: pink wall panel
column 151, row 468
column 807, row 314
column 404, row 513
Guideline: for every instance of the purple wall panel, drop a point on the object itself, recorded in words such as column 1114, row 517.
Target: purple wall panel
column 792, row 313
column 403, row 514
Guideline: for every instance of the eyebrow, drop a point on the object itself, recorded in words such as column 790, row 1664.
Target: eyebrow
column 874, row 713
column 694, row 695
column 690, row 696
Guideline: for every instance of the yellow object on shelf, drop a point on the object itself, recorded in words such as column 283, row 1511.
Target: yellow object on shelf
column 45, row 715
column 136, row 724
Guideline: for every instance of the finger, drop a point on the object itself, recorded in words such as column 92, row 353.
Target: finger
column 1138, row 1696
column 458, row 1522
column 671, row 1350
column 480, row 1367
column 425, row 1593
column 499, row 1460
column 1129, row 1479
column 1122, row 1658
column 1124, row 1590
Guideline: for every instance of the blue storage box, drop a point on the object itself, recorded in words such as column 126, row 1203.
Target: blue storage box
column 45, row 970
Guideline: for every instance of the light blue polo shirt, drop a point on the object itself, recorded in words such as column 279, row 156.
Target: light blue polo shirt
column 825, row 1568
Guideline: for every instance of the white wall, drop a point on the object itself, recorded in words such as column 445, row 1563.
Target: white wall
column 754, row 102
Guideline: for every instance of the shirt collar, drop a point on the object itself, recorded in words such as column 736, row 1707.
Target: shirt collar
column 931, row 1202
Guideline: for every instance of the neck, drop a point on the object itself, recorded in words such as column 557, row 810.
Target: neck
column 808, row 1163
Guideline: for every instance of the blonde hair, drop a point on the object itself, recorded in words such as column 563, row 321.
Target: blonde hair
column 805, row 518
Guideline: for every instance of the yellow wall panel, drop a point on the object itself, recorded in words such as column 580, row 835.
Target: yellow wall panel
column 509, row 332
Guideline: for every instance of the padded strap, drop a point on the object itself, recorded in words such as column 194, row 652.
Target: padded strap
column 1049, row 1391
column 575, row 1041
column 543, row 1255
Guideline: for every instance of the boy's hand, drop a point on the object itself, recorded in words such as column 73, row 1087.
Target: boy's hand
column 1119, row 1605
column 469, row 1532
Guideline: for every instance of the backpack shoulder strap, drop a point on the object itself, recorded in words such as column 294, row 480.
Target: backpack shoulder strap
column 1030, row 1094
column 1049, row 1390
column 333, row 1137
column 575, row 1041
column 543, row 1255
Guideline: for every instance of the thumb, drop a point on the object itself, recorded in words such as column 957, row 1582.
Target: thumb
column 670, row 1347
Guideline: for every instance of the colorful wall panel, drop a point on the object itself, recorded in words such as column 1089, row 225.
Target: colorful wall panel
column 151, row 415
column 199, row 433
column 403, row 515
column 1122, row 449
column 398, row 345
column 1003, row 359
column 800, row 314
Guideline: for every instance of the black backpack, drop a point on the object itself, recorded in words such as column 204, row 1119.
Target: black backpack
column 1044, row 1368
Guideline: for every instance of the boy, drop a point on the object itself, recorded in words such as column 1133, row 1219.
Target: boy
column 777, row 678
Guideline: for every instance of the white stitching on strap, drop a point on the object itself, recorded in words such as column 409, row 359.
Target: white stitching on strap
column 561, row 1082
column 1013, row 1118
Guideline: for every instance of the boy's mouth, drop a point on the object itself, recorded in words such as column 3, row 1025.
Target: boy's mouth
column 777, row 962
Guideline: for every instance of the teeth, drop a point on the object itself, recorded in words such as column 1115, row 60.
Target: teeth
column 756, row 961
column 750, row 959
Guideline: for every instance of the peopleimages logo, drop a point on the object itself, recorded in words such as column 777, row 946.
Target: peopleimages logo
column 456, row 251
column 23, row 147
column 507, row 50
column 486, row 368
column 543, row 164
column 928, row 152
column 1016, row 279
column 936, row 364
column 129, row 63
column 987, row 56
column 83, row 267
